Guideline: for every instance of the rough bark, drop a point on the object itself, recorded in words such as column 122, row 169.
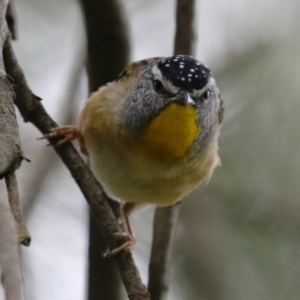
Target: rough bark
column 10, row 150
column 10, row 160
column 10, row 147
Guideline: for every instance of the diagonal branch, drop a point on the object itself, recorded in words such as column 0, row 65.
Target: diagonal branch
column 165, row 219
column 67, row 117
column 33, row 111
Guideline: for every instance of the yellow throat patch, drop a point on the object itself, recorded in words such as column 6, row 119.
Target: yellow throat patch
column 171, row 133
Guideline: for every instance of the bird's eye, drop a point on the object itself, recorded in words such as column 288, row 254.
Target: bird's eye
column 206, row 94
column 158, row 86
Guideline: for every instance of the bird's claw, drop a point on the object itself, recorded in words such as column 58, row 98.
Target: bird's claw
column 127, row 245
column 68, row 132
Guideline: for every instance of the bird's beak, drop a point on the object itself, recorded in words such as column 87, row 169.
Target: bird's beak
column 184, row 98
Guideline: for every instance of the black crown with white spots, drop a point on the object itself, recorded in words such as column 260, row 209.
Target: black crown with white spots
column 185, row 72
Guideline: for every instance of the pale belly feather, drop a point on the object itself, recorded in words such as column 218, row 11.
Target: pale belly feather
column 134, row 179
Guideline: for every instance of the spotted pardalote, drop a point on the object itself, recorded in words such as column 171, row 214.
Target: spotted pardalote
column 151, row 135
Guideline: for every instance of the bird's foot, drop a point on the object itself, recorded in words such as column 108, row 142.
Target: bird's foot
column 128, row 241
column 68, row 133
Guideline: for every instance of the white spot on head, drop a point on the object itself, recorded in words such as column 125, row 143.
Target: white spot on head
column 175, row 59
column 182, row 79
column 189, row 79
column 181, row 66
column 167, row 65
column 196, row 76
column 190, row 75
column 192, row 70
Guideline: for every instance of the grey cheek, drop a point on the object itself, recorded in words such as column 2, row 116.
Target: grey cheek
column 206, row 112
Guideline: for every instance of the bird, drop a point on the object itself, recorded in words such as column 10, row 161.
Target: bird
column 151, row 135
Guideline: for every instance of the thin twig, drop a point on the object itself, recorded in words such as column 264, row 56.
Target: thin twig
column 186, row 35
column 15, row 206
column 163, row 236
column 10, row 265
column 165, row 219
column 33, row 111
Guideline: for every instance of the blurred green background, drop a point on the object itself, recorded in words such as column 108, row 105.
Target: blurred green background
column 238, row 236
